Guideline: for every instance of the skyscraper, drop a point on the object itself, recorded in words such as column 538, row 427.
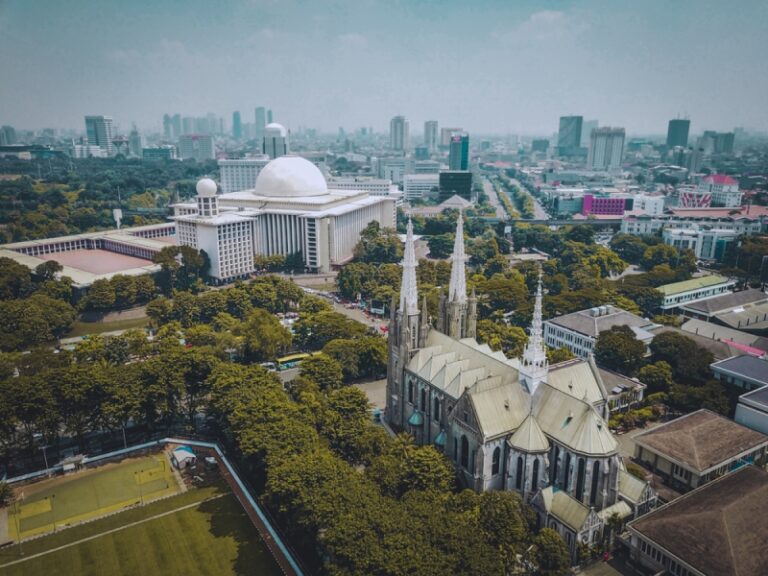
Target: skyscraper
column 237, row 126
column 398, row 133
column 269, row 116
column 569, row 134
column 445, row 136
column 586, row 132
column 606, row 149
column 197, row 146
column 261, row 122
column 135, row 143
column 98, row 129
column 167, row 126
column 458, row 155
column 430, row 135
column 275, row 142
column 677, row 133
column 7, row 136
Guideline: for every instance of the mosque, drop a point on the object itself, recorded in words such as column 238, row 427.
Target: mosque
column 507, row 424
column 291, row 210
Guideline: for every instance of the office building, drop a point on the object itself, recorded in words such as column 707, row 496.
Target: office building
column 586, row 132
column 420, row 185
column 693, row 290
column 237, row 126
column 98, row 130
column 455, row 182
column 539, row 145
column 135, row 143
column 240, row 174
column 677, row 133
column 430, row 135
column 723, row 190
column 291, row 210
column 752, row 409
column 398, row 134
column 569, row 134
column 421, row 153
column 275, row 143
column 269, row 116
column 196, row 146
column 260, row 124
column 7, row 136
column 166, row 152
column 458, row 154
column 445, row 136
column 374, row 186
column 606, row 149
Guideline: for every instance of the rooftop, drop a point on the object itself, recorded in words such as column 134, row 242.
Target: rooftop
column 719, row 528
column 747, row 366
column 727, row 302
column 720, row 179
column 701, row 440
column 593, row 321
column 692, row 284
column 757, row 398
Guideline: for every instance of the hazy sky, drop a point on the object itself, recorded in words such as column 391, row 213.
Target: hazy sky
column 489, row 67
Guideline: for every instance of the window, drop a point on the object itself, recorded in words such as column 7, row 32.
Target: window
column 455, row 449
column 496, row 460
column 580, row 477
column 464, row 451
column 595, row 482
column 554, row 465
column 519, row 473
column 424, row 399
column 436, row 410
column 410, row 392
column 567, row 473
column 535, row 475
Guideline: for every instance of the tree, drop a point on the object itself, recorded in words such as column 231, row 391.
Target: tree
column 657, row 376
column 48, row 270
column 629, row 247
column 551, row 554
column 440, row 246
column 689, row 361
column 101, row 295
column 581, row 233
column 313, row 331
column 660, row 254
column 618, row 349
column 264, row 336
column 323, row 371
column 379, row 245
column 557, row 355
column 6, row 494
column 509, row 339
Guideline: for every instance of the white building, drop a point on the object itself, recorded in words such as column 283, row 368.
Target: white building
column 290, row 210
column 99, row 132
column 240, row 174
column 606, row 149
column 275, row 140
column 706, row 242
column 420, row 185
column 693, row 290
column 653, row 205
column 375, row 186
column 430, row 135
column 578, row 331
column 723, row 189
column 196, row 146
column 692, row 219
column 87, row 151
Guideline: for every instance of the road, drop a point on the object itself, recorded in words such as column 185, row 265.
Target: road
column 538, row 211
column 494, row 199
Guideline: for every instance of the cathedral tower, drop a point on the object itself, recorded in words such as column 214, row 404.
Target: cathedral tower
column 458, row 314
column 534, row 366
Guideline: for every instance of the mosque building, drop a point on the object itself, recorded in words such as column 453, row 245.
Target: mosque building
column 290, row 211
column 507, row 424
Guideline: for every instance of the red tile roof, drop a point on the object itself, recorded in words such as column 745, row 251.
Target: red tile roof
column 720, row 179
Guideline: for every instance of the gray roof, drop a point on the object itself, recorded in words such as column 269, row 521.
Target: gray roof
column 718, row 332
column 720, row 350
column 726, row 302
column 746, row 366
column 719, row 528
column 616, row 383
column 565, row 508
column 754, row 317
column 579, row 378
column 585, row 322
column 758, row 398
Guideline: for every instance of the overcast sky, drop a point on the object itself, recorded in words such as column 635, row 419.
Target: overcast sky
column 489, row 67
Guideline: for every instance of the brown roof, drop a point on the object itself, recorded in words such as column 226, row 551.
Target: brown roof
column 701, row 440
column 719, row 529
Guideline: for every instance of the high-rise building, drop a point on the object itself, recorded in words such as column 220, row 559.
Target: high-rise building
column 455, row 183
column 269, row 116
column 445, row 136
column 275, row 142
column 261, row 122
column 196, row 146
column 240, row 174
column 458, row 155
column 7, row 136
column 430, row 135
column 586, row 132
column 167, row 127
column 135, row 143
column 606, row 149
column 677, row 133
column 398, row 133
column 176, row 124
column 98, row 129
column 237, row 126
column 569, row 134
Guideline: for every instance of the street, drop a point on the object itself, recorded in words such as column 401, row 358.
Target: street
column 494, row 199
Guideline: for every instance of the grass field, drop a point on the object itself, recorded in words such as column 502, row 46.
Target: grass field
column 50, row 504
column 203, row 531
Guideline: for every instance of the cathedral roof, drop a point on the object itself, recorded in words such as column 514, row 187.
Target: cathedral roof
column 631, row 487
column 529, row 437
column 564, row 507
column 500, row 405
column 578, row 378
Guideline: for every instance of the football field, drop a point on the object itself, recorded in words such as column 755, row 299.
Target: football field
column 50, row 505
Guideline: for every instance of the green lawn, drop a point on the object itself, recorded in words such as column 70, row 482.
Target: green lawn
column 215, row 537
column 90, row 494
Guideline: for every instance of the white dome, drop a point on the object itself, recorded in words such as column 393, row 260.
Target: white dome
column 206, row 187
column 290, row 177
column 275, row 127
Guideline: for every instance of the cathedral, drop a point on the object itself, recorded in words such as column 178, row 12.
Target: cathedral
column 507, row 424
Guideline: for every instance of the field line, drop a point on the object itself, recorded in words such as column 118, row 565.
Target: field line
column 113, row 530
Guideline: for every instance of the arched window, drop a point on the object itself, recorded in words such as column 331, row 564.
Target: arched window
column 580, row 474
column 455, row 449
column 535, row 476
column 436, row 410
column 553, row 526
column 496, row 460
column 567, row 473
column 595, row 482
column 410, row 391
column 519, row 473
column 424, row 399
column 556, row 461
column 464, row 451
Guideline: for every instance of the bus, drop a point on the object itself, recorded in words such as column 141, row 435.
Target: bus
column 291, row 361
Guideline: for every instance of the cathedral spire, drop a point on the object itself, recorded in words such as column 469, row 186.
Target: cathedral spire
column 534, row 366
column 457, row 289
column 409, row 297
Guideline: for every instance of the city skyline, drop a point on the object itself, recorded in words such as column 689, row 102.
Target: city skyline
column 361, row 63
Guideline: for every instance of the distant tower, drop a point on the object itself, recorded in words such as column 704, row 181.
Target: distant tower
column 534, row 366
column 458, row 154
column 275, row 140
column 98, row 129
column 135, row 143
column 237, row 126
column 398, row 134
column 260, row 123
column 408, row 331
column 677, row 133
column 458, row 314
column 430, row 135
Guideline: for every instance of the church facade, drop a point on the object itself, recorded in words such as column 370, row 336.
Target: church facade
column 507, row 424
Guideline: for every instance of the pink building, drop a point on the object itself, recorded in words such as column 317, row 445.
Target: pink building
column 605, row 205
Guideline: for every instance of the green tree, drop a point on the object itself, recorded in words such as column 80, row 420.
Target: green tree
column 380, row 245
column 551, row 554
column 264, row 337
column 629, row 247
column 557, row 355
column 509, row 339
column 322, row 370
column 6, row 494
column 689, row 361
column 619, row 349
column 48, row 270
column 101, row 295
column 657, row 376
column 440, row 246
column 15, row 279
column 313, row 331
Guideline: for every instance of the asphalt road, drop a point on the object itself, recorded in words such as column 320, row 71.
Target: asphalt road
column 494, row 199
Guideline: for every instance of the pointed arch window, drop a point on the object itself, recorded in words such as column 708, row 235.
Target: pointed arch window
column 424, row 399
column 535, row 476
column 519, row 473
column 567, row 473
column 595, row 482
column 555, row 462
column 464, row 451
column 580, row 476
column 410, row 391
column 436, row 409
column 496, row 460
